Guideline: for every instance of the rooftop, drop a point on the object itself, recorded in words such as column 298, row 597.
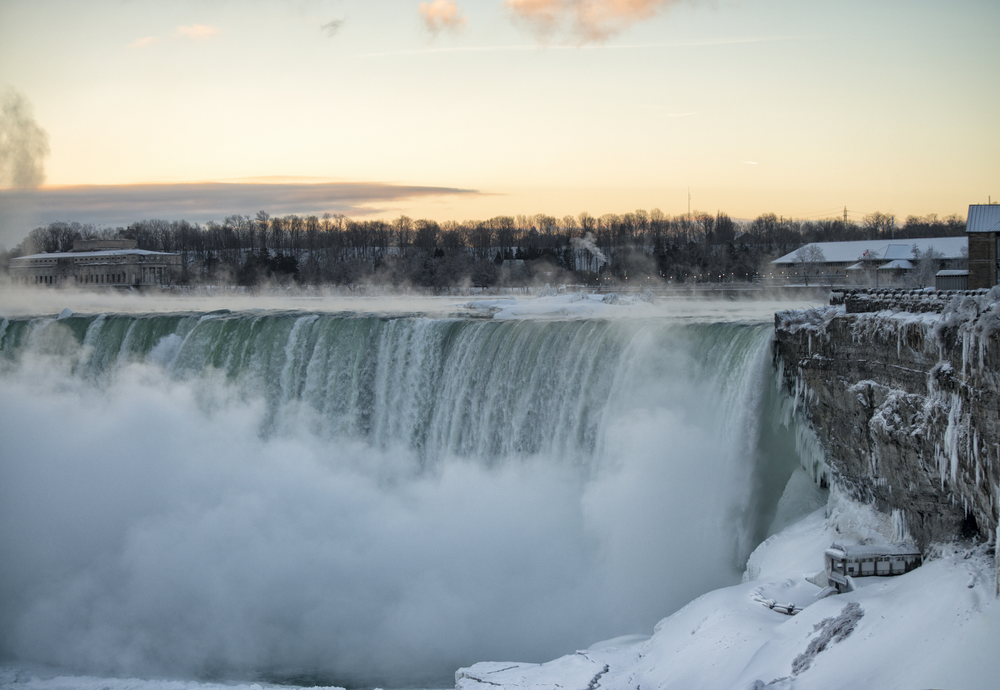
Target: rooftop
column 882, row 250
column 97, row 254
column 983, row 218
column 872, row 550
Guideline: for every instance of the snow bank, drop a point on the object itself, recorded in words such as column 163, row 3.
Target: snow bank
column 938, row 626
column 549, row 304
column 807, row 319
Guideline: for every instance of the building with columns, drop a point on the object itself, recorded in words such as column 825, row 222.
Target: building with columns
column 97, row 262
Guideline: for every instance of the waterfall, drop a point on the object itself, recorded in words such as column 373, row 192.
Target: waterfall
column 366, row 499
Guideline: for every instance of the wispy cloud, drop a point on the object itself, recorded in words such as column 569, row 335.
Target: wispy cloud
column 586, row 21
column 332, row 27
column 439, row 15
column 144, row 42
column 520, row 48
column 196, row 31
column 201, row 202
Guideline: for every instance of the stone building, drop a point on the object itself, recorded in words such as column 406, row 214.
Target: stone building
column 983, row 229
column 97, row 262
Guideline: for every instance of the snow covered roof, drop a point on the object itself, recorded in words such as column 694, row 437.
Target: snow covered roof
column 983, row 218
column 90, row 255
column 897, row 264
column 882, row 250
column 951, row 272
column 871, row 550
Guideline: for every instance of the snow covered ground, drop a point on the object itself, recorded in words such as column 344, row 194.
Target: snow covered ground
column 549, row 303
column 546, row 302
column 938, row 626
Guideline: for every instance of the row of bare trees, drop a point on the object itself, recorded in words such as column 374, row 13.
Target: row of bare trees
column 333, row 249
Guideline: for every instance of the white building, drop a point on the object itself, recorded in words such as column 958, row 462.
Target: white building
column 97, row 262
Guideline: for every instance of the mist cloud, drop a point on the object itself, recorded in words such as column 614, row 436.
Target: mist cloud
column 23, row 143
column 586, row 21
column 158, row 533
column 439, row 15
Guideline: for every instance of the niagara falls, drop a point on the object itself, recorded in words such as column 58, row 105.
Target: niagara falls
column 499, row 345
column 373, row 498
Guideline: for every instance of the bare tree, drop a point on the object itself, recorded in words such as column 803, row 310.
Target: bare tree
column 927, row 265
column 879, row 225
column 808, row 256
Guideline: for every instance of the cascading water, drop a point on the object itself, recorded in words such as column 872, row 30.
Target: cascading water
column 362, row 499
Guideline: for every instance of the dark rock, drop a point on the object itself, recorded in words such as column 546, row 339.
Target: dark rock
column 903, row 392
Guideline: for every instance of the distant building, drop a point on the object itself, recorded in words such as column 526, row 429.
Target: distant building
column 833, row 263
column 951, row 280
column 97, row 262
column 983, row 230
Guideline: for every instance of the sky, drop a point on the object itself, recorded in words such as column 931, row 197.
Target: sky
column 468, row 109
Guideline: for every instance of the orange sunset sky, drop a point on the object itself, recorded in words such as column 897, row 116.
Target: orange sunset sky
column 474, row 108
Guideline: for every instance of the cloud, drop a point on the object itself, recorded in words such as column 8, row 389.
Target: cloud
column 601, row 46
column 439, row 15
column 143, row 42
column 332, row 27
column 23, row 143
column 199, row 202
column 585, row 20
column 196, row 31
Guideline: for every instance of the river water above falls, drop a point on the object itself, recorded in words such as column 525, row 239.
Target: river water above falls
column 361, row 500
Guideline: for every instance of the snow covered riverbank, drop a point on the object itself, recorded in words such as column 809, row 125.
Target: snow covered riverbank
column 938, row 626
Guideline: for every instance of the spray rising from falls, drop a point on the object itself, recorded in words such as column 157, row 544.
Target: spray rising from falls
column 369, row 500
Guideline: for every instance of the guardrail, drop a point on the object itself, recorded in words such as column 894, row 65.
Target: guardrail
column 915, row 301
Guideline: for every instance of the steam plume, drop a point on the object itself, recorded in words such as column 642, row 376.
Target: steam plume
column 23, row 143
column 586, row 20
column 587, row 242
column 439, row 15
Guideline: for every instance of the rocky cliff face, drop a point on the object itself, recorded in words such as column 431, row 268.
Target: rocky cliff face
column 903, row 392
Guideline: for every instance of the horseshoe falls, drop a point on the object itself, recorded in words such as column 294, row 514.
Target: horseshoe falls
column 361, row 500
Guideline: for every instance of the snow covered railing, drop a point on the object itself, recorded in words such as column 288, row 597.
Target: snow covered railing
column 913, row 301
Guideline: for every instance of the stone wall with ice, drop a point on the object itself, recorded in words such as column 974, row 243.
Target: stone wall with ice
column 903, row 391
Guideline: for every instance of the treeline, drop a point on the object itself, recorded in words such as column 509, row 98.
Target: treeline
column 505, row 250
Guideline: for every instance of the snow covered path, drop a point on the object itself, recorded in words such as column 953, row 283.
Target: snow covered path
column 938, row 626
